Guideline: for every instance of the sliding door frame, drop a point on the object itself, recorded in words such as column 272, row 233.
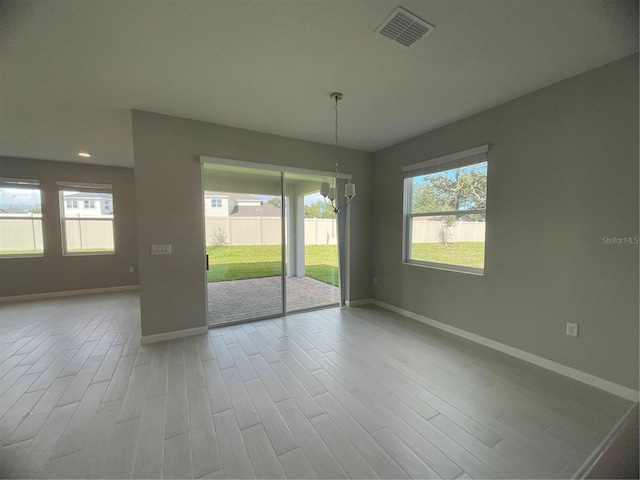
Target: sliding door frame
column 283, row 244
column 284, row 170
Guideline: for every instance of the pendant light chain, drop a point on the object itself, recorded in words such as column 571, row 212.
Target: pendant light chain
column 336, row 141
column 327, row 191
column 336, row 135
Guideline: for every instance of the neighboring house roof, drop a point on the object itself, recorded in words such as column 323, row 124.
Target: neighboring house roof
column 232, row 196
column 87, row 196
column 264, row 210
column 241, row 209
column 208, row 193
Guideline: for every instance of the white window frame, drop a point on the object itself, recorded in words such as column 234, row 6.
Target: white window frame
column 218, row 202
column 71, row 204
column 84, row 187
column 27, row 184
column 472, row 156
column 89, row 204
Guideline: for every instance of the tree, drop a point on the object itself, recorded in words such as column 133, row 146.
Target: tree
column 218, row 237
column 452, row 191
column 36, row 209
column 13, row 209
column 460, row 189
column 275, row 201
column 318, row 210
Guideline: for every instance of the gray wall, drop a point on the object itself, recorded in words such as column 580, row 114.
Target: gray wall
column 563, row 173
column 170, row 208
column 55, row 272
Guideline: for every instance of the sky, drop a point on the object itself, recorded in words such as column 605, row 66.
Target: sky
column 19, row 197
column 311, row 199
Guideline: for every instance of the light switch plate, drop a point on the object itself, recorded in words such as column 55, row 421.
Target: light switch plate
column 160, row 249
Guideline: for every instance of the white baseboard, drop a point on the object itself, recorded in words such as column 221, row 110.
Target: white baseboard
column 355, row 303
column 68, row 293
column 161, row 337
column 601, row 383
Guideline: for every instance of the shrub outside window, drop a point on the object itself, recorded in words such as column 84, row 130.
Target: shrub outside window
column 87, row 219
column 20, row 218
column 445, row 211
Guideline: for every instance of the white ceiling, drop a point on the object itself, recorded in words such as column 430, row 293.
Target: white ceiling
column 71, row 70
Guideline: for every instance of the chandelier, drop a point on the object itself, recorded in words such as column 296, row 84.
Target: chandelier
column 329, row 191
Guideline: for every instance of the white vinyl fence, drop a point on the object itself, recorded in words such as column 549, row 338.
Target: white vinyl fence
column 20, row 232
column 265, row 231
column 322, row 231
column 89, row 234
column 23, row 232
column 429, row 231
column 26, row 233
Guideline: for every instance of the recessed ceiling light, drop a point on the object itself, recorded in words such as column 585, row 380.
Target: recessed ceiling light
column 84, row 154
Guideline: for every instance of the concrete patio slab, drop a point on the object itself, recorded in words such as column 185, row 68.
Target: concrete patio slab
column 239, row 300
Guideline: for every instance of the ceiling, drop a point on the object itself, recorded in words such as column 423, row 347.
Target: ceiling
column 72, row 70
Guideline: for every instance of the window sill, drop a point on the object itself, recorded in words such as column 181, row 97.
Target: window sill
column 23, row 255
column 447, row 267
column 87, row 254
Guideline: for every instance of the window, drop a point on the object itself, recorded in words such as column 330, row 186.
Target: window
column 445, row 211
column 20, row 218
column 89, row 230
column 216, row 203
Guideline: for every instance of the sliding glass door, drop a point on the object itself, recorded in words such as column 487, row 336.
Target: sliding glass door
column 243, row 234
column 272, row 244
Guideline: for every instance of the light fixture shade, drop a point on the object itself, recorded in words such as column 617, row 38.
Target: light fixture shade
column 350, row 190
column 332, row 193
column 324, row 189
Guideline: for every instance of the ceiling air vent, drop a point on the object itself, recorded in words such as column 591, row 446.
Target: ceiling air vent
column 404, row 27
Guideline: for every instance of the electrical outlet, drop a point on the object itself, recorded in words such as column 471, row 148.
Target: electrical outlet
column 131, row 269
column 375, row 280
column 572, row 329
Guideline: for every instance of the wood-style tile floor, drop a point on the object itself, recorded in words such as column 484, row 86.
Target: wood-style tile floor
column 336, row 393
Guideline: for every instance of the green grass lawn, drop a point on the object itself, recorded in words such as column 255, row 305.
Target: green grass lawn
column 321, row 263
column 240, row 262
column 469, row 254
column 89, row 250
column 21, row 252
